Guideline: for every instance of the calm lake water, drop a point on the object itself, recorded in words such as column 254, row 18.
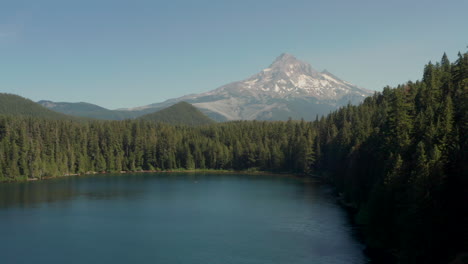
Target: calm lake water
column 174, row 218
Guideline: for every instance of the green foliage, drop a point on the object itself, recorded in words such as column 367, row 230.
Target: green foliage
column 179, row 114
column 39, row 148
column 400, row 158
column 403, row 166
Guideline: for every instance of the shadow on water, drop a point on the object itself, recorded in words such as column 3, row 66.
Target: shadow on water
column 377, row 256
column 98, row 187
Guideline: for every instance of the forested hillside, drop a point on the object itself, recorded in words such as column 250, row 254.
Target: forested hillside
column 88, row 110
column 179, row 114
column 399, row 159
column 14, row 105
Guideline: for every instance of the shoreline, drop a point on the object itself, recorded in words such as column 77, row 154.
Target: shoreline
column 211, row 171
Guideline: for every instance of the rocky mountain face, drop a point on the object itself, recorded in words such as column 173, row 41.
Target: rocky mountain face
column 288, row 88
column 288, row 77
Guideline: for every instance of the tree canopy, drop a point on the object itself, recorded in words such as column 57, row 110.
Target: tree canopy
column 399, row 159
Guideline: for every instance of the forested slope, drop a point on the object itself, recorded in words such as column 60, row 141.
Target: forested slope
column 179, row 114
column 88, row 110
column 399, row 159
column 14, row 105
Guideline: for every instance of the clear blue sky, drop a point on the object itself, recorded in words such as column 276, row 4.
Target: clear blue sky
column 131, row 53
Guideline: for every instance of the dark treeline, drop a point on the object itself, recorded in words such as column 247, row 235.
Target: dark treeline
column 399, row 159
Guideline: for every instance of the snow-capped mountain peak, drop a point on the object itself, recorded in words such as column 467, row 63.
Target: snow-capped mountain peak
column 287, row 63
column 290, row 77
column 287, row 88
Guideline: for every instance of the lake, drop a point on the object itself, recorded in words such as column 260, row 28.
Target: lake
column 174, row 218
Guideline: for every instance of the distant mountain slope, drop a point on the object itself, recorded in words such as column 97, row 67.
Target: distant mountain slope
column 179, row 114
column 91, row 110
column 15, row 105
column 287, row 88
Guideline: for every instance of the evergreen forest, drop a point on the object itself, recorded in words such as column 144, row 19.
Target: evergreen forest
column 399, row 160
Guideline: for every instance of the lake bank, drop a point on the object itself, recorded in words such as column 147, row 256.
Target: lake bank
column 248, row 172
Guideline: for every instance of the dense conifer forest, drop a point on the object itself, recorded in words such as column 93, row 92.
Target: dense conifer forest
column 399, row 159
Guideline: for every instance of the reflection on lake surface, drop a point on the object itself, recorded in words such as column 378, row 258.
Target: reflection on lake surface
column 174, row 218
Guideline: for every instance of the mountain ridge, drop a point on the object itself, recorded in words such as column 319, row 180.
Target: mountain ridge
column 16, row 105
column 287, row 88
column 274, row 92
column 181, row 113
